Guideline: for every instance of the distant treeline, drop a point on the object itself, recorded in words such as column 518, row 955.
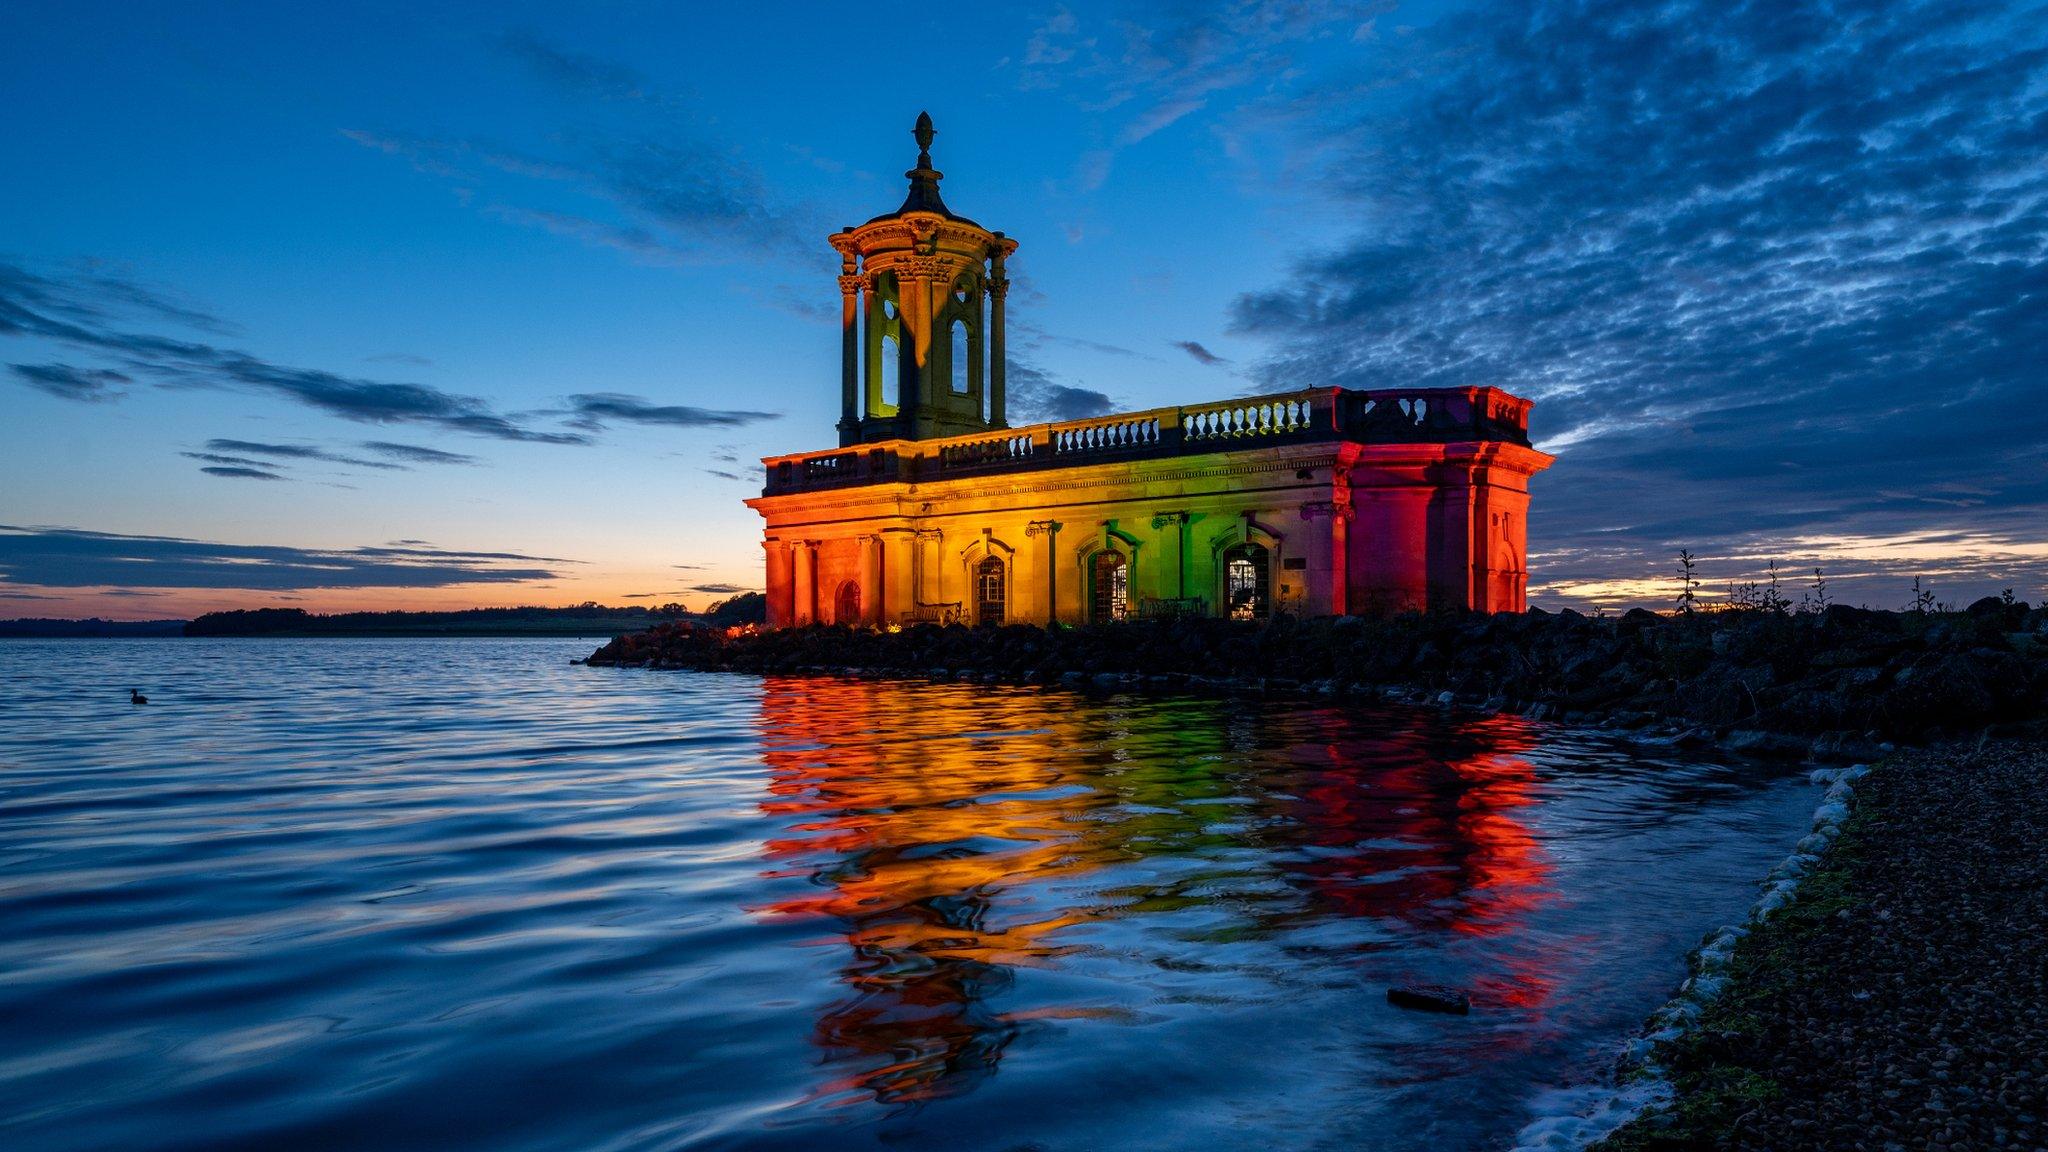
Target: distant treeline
column 92, row 627
column 589, row 618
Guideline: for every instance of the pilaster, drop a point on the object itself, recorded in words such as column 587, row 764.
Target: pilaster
column 1046, row 532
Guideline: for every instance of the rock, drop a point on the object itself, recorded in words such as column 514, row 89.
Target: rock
column 1988, row 606
column 1844, row 747
column 1430, row 998
column 1764, row 745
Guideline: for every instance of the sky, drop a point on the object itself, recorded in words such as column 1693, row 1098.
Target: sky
column 377, row 306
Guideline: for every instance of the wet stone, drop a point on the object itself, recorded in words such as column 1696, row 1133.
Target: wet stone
column 1430, row 998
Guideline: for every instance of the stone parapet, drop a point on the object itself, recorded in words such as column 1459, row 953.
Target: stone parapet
column 1379, row 416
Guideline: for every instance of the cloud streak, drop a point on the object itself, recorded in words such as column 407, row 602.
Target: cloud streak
column 237, row 472
column 65, row 381
column 417, row 454
column 296, row 452
column 49, row 557
column 594, row 409
column 72, row 312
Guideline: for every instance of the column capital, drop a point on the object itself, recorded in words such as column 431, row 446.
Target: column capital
column 998, row 286
column 851, row 283
column 1164, row 519
column 1042, row 527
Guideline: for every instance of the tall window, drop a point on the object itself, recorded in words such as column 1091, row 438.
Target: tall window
column 990, row 591
column 961, row 360
column 1245, row 582
column 846, row 608
column 1112, row 585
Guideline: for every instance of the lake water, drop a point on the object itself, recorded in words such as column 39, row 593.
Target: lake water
column 460, row 894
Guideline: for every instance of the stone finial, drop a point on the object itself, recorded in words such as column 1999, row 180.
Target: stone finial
column 924, row 179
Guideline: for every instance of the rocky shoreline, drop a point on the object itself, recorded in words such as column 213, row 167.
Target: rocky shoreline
column 1839, row 685
column 1575, row 1118
column 1899, row 998
column 1890, row 990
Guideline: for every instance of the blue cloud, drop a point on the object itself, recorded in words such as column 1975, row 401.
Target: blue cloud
column 71, row 383
column 594, row 408
column 1770, row 269
column 42, row 557
column 1034, row 396
column 238, row 472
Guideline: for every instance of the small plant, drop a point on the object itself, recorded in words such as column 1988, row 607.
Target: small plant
column 1816, row 597
column 1773, row 599
column 1923, row 600
column 1745, row 597
column 1688, row 583
column 2007, row 598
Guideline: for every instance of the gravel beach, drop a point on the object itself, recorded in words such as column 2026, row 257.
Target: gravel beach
column 1901, row 1002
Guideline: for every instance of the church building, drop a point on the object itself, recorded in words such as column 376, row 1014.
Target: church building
column 933, row 508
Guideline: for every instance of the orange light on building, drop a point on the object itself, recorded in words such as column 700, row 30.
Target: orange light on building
column 934, row 508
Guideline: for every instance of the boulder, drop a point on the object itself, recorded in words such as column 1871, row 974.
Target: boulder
column 1764, row 745
column 1430, row 998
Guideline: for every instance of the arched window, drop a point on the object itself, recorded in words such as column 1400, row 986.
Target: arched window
column 892, row 367
column 1245, row 582
column 991, row 591
column 846, row 606
column 961, row 360
column 1110, row 593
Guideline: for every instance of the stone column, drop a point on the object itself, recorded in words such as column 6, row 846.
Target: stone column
column 918, row 278
column 1048, row 554
column 1454, row 565
column 895, row 553
column 849, row 343
column 1323, row 579
column 923, row 565
column 871, row 354
column 871, row 579
column 806, row 583
column 1340, row 558
column 998, row 289
column 781, row 594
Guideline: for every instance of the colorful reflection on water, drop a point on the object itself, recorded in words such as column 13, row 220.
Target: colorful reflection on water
column 956, row 835
column 347, row 896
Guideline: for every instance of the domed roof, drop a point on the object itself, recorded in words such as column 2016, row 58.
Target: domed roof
column 924, row 179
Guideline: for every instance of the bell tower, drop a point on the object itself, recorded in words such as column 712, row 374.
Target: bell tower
column 921, row 317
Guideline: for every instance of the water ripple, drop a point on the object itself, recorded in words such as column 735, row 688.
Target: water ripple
column 446, row 894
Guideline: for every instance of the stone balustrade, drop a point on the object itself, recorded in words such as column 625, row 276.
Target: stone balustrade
column 1380, row 416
